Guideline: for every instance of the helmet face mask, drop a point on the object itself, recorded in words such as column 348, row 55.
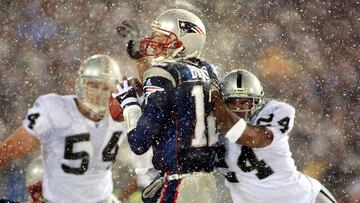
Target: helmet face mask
column 97, row 76
column 242, row 92
column 159, row 43
column 184, row 35
column 242, row 106
column 94, row 94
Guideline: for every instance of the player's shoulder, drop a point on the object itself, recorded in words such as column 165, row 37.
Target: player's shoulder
column 275, row 106
column 277, row 115
column 210, row 68
column 182, row 70
column 165, row 69
column 58, row 107
column 53, row 98
column 274, row 111
column 55, row 102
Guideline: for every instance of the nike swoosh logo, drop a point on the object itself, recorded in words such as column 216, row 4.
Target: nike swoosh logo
column 123, row 96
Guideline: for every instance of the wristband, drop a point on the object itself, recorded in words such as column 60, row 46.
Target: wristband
column 236, row 131
column 131, row 115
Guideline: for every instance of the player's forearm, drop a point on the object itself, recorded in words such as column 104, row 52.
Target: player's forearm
column 8, row 153
column 237, row 130
column 17, row 145
column 255, row 136
column 138, row 143
column 226, row 124
column 5, row 156
column 225, row 118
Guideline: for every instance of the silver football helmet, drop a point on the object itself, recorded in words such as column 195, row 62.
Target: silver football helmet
column 185, row 33
column 242, row 84
column 34, row 177
column 34, row 172
column 95, row 70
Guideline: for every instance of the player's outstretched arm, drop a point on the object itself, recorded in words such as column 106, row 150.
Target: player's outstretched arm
column 18, row 144
column 237, row 130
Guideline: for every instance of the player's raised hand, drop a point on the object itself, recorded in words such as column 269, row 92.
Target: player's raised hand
column 128, row 29
column 126, row 94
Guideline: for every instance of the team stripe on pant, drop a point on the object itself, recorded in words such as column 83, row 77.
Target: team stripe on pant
column 169, row 193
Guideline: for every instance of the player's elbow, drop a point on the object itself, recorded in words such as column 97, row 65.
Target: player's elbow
column 138, row 150
column 267, row 138
column 256, row 137
column 137, row 146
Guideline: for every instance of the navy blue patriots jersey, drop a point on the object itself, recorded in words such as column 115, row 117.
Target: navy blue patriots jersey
column 177, row 119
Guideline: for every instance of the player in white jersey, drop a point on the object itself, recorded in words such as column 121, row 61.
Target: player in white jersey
column 266, row 174
column 78, row 137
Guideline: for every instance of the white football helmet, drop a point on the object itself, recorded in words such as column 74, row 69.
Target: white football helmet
column 97, row 69
column 242, row 84
column 185, row 33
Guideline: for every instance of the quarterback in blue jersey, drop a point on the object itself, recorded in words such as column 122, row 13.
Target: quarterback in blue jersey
column 177, row 118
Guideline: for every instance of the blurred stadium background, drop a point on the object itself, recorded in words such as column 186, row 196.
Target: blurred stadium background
column 305, row 52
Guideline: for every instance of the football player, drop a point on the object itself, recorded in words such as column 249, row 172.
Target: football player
column 177, row 119
column 266, row 174
column 78, row 138
column 34, row 176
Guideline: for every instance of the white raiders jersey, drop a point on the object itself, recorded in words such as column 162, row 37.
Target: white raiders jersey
column 78, row 153
column 269, row 174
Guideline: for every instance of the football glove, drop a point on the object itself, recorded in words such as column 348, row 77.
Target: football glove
column 126, row 95
column 129, row 31
column 133, row 51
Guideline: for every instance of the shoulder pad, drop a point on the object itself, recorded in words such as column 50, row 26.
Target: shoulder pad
column 212, row 70
column 58, row 109
column 280, row 107
column 278, row 116
column 165, row 71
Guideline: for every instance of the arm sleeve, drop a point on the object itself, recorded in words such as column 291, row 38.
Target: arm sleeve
column 37, row 120
column 158, row 101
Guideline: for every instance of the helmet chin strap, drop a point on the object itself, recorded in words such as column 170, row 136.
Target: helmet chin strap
column 191, row 55
column 156, row 60
column 176, row 55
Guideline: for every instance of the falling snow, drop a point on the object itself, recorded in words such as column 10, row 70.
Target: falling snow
column 306, row 53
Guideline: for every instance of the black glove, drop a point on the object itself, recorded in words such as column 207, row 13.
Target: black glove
column 133, row 52
column 129, row 31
